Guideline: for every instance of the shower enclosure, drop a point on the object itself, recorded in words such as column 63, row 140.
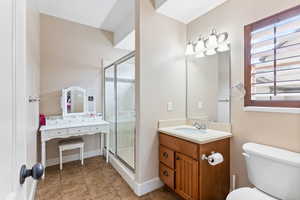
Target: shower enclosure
column 119, row 108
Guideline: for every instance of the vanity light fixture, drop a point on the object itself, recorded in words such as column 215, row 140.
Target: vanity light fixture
column 189, row 49
column 213, row 44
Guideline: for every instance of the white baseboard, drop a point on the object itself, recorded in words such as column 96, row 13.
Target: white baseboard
column 138, row 188
column 125, row 173
column 33, row 190
column 148, row 186
column 73, row 157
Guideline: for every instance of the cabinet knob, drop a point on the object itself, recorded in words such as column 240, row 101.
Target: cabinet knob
column 165, row 154
column 177, row 158
column 165, row 173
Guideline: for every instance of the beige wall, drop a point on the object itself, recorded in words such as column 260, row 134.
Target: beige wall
column 160, row 71
column 71, row 55
column 280, row 130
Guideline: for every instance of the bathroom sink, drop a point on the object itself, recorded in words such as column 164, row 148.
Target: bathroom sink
column 191, row 130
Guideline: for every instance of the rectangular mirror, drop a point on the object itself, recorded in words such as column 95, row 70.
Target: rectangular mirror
column 208, row 87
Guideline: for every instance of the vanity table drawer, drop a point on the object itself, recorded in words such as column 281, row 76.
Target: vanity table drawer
column 79, row 130
column 166, row 156
column 166, row 175
column 57, row 132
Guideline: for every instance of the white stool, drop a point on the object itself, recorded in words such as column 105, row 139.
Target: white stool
column 69, row 145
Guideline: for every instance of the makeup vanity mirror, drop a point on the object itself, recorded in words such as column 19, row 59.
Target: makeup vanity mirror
column 74, row 101
column 208, row 87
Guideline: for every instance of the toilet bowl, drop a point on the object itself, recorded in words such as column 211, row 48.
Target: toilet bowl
column 247, row 193
column 274, row 172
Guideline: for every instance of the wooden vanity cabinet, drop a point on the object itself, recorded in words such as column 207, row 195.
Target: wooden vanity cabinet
column 184, row 172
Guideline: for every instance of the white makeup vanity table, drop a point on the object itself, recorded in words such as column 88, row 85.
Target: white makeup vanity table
column 75, row 121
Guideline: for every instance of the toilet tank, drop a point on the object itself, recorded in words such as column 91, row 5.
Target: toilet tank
column 274, row 171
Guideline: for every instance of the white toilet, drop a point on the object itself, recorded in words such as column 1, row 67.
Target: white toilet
column 274, row 172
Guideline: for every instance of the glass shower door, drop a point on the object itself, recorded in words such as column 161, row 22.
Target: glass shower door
column 119, row 108
column 125, row 139
column 110, row 105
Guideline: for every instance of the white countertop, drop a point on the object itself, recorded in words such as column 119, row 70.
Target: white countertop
column 199, row 138
column 73, row 125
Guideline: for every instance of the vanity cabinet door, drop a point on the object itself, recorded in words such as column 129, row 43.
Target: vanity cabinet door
column 186, row 184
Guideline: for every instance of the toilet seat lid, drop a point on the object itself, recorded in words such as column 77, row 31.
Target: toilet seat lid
column 248, row 194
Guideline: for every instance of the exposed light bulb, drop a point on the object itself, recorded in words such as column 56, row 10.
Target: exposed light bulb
column 212, row 41
column 189, row 49
column 200, row 46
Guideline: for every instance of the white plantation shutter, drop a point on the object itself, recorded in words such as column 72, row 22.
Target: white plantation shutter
column 272, row 60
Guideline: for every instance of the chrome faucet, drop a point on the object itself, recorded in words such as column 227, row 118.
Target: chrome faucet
column 198, row 125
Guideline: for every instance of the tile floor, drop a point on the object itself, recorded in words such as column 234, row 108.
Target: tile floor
column 96, row 180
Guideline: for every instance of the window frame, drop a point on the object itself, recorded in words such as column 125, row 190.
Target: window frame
column 247, row 59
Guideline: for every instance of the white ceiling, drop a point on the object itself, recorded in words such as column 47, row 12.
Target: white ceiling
column 187, row 10
column 118, row 15
column 123, row 9
column 104, row 14
column 128, row 42
column 87, row 12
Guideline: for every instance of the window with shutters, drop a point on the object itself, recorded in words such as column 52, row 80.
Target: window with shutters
column 272, row 60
